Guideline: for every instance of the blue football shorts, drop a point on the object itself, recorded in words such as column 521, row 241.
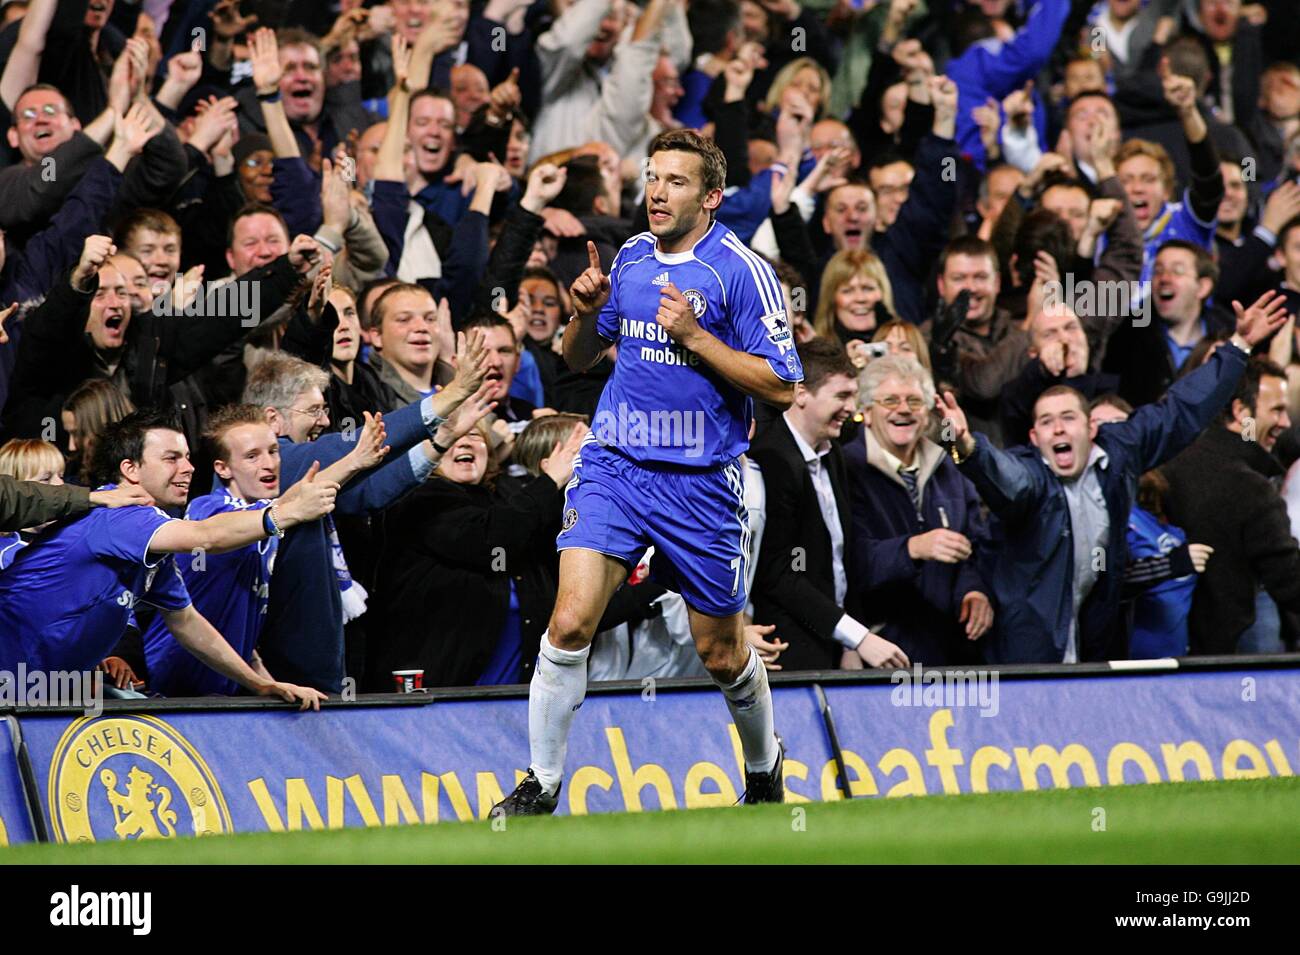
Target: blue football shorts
column 695, row 518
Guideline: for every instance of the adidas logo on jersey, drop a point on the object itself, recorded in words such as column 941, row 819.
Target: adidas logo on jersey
column 661, row 279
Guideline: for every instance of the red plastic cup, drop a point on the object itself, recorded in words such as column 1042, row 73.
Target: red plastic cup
column 408, row 681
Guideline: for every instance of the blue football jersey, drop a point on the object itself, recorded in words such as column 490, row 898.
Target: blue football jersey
column 662, row 404
column 10, row 545
column 67, row 598
column 230, row 590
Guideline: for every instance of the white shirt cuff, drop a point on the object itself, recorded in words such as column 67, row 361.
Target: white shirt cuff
column 1266, row 236
column 421, row 466
column 431, row 420
column 1020, row 149
column 850, row 633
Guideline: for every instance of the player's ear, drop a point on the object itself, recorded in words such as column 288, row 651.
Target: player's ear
column 712, row 199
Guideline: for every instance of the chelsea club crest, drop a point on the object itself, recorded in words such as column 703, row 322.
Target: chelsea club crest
column 131, row 777
column 696, row 298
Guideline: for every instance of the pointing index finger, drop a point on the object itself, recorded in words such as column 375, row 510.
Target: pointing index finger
column 593, row 257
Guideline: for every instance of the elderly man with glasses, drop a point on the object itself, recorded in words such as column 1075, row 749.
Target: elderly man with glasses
column 917, row 527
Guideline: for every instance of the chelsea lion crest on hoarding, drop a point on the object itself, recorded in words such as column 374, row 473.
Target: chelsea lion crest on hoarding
column 131, row 777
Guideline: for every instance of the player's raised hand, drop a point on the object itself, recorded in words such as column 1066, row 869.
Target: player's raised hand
column 590, row 290
column 676, row 315
column 307, row 500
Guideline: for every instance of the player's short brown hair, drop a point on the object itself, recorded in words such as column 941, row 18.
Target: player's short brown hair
column 713, row 164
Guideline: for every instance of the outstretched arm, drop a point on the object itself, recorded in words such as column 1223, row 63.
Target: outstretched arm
column 192, row 631
column 307, row 500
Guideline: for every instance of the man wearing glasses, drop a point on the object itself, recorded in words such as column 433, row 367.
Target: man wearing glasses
column 56, row 152
column 805, row 563
column 917, row 532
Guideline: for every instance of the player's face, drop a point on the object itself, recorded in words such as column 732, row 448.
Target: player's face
column 110, row 310
column 675, row 198
column 466, row 461
column 900, row 427
column 1063, row 434
column 258, row 240
column 891, row 184
column 164, row 469
column 307, row 417
column 251, row 462
column 856, row 301
column 1146, row 188
column 502, row 361
column 407, row 331
column 1069, row 204
column 833, row 403
column 850, row 217
column 347, row 337
column 302, row 84
column 137, row 282
column 42, row 123
column 977, row 274
column 161, row 254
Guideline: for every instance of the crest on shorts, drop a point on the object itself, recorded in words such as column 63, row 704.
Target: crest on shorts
column 570, row 518
column 696, row 298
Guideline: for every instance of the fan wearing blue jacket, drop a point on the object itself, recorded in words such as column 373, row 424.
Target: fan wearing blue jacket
column 1064, row 502
column 303, row 630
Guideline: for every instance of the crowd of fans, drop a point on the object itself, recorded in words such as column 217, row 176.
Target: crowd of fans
column 298, row 270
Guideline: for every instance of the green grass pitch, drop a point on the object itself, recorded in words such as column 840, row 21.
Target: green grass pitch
column 1243, row 821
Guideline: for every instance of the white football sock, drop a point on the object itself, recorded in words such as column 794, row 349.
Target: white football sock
column 750, row 702
column 558, row 687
